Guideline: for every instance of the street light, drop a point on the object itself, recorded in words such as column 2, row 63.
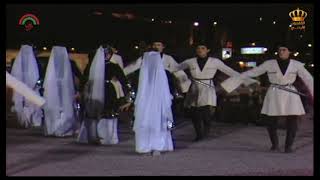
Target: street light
column 309, row 45
column 44, row 48
column 97, row 13
column 72, row 49
column 253, row 44
column 260, row 19
column 241, row 63
column 196, row 24
column 215, row 23
column 296, row 54
column 275, row 53
column 152, row 19
column 136, row 47
column 274, row 22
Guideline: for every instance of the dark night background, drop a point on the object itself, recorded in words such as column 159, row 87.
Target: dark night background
column 79, row 25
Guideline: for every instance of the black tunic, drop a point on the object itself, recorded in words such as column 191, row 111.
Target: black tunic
column 170, row 82
column 111, row 101
column 76, row 73
column 85, row 76
column 75, row 70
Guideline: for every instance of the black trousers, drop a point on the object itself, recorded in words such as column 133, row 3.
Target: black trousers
column 201, row 119
column 291, row 127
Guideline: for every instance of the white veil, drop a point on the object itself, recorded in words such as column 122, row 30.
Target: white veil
column 96, row 87
column 153, row 102
column 93, row 128
column 25, row 69
column 59, row 93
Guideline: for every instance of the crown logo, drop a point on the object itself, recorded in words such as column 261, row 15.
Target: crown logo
column 298, row 15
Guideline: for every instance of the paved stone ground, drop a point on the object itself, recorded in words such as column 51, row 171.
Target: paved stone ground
column 231, row 150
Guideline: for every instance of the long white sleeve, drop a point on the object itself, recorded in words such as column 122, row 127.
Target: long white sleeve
column 120, row 61
column 182, row 66
column 306, row 77
column 226, row 69
column 24, row 90
column 133, row 66
column 255, row 72
column 233, row 82
column 184, row 81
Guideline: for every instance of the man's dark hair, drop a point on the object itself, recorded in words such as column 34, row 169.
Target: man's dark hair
column 284, row 44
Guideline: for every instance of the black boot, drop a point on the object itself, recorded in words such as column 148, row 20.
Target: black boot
column 275, row 148
column 288, row 150
column 289, row 141
column 197, row 128
column 274, row 139
column 272, row 131
column 197, row 139
column 206, row 132
column 197, row 123
column 207, row 126
column 291, row 133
